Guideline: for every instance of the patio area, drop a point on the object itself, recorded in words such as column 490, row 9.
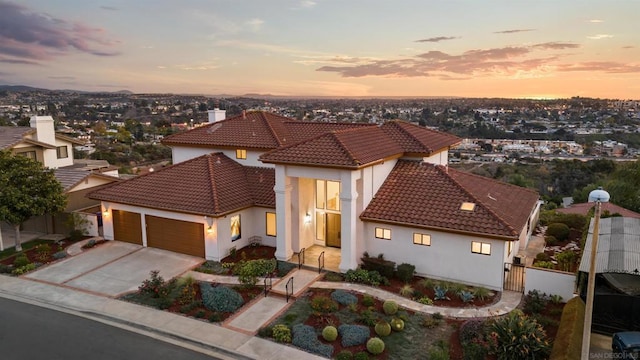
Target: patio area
column 311, row 255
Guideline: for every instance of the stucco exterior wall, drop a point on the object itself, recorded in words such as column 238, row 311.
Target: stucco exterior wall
column 551, row 282
column 183, row 153
column 449, row 257
column 440, row 158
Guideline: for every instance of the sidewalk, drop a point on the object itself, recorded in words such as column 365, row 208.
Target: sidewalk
column 233, row 344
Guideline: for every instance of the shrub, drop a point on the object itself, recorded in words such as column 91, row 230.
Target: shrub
column 330, row 333
column 425, row 300
column 427, row 283
column 353, row 335
column 472, row 333
column 60, row 255
column 543, row 257
column 24, row 269
column 304, row 336
column 545, row 265
column 91, row 243
column 155, row 285
column 281, row 333
column 518, row 337
column 390, row 307
column 331, row 276
column 430, row 321
column 535, row 302
column 344, row 355
column 550, row 240
column 439, row 351
column 558, row 230
column 368, row 317
column 200, row 314
column 249, row 271
column 406, row 290
column 367, row 300
column 566, row 260
column 362, row 355
column 188, row 292
column 323, row 304
column 43, row 251
column 380, row 265
column 481, row 293
column 344, row 297
column 457, row 288
column 21, row 260
column 466, row 296
column 383, row 328
column 215, row 317
column 440, row 293
column 405, row 272
column 220, row 298
column 556, row 299
column 266, row 332
column 397, row 324
column 375, row 346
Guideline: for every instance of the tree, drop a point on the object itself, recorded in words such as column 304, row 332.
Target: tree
column 27, row 189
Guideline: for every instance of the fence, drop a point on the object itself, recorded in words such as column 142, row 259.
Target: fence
column 551, row 282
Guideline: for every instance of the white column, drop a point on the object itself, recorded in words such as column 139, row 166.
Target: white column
column 349, row 218
column 283, row 214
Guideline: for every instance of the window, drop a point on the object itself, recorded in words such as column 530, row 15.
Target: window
column 241, row 154
column 62, row 152
column 480, row 248
column 382, row 233
column 422, row 239
column 328, row 195
column 271, row 224
column 28, row 154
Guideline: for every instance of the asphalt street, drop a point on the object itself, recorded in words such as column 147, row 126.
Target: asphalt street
column 32, row 332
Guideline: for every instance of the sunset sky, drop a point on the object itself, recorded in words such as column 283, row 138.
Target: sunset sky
column 468, row 48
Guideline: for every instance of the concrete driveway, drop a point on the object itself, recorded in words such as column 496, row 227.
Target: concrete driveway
column 114, row 268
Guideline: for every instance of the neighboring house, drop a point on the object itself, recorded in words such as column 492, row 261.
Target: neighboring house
column 55, row 151
column 607, row 208
column 358, row 187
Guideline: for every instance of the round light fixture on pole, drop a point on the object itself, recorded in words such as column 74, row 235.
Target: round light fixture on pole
column 598, row 196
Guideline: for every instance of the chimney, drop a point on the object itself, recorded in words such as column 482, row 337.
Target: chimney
column 45, row 131
column 216, row 115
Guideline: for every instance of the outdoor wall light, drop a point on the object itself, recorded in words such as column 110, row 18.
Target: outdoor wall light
column 106, row 210
column 307, row 218
column 209, row 230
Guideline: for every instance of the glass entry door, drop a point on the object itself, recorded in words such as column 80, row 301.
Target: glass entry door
column 333, row 230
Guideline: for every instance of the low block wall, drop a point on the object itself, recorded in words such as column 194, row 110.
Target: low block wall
column 551, row 282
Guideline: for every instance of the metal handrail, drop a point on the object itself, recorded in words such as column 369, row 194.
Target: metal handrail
column 300, row 258
column 320, row 262
column 287, row 288
column 268, row 286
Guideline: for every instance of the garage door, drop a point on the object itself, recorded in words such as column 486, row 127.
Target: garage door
column 127, row 226
column 174, row 235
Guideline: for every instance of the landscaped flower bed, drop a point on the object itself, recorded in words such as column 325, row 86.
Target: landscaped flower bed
column 35, row 254
column 309, row 324
column 202, row 300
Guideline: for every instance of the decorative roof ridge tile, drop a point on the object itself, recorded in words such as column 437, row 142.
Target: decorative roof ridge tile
column 264, row 119
column 213, row 188
column 444, row 169
column 397, row 124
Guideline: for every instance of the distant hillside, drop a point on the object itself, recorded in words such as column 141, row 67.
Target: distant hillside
column 24, row 88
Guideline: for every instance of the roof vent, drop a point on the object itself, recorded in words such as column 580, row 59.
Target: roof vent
column 467, row 206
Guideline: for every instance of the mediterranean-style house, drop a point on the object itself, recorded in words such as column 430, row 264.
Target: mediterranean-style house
column 40, row 142
column 352, row 187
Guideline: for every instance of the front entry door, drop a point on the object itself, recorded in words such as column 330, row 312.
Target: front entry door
column 333, row 230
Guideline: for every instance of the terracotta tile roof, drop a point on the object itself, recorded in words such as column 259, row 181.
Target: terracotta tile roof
column 12, row 135
column 255, row 130
column 350, row 148
column 301, row 131
column 430, row 196
column 211, row 185
column 583, row 209
column 417, row 139
column 70, row 177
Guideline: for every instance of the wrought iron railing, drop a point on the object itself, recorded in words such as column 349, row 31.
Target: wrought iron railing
column 300, row 258
column 289, row 288
column 268, row 283
column 320, row 262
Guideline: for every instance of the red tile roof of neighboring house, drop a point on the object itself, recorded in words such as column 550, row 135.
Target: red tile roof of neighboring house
column 416, row 139
column 254, row 130
column 425, row 195
column 583, row 209
column 350, row 148
column 211, row 185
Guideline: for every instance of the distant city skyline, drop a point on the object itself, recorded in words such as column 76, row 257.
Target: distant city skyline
column 466, row 48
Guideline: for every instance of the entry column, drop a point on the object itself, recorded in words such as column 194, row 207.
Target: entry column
column 283, row 214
